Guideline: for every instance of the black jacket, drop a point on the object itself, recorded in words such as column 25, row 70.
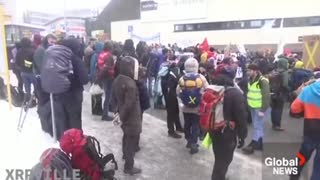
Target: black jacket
column 25, row 53
column 234, row 106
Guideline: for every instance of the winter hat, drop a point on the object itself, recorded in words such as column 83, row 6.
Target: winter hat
column 191, row 65
column 299, row 65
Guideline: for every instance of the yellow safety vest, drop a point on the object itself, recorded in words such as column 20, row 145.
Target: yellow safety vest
column 254, row 96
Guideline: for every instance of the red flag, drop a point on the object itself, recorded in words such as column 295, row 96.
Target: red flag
column 205, row 45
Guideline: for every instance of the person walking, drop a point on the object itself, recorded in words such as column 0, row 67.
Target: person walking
column 232, row 128
column 189, row 89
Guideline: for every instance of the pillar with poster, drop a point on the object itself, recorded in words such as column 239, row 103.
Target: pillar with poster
column 311, row 51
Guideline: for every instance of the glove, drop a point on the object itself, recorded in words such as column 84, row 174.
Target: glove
column 240, row 143
column 116, row 120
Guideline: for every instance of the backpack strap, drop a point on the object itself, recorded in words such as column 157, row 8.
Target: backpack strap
column 96, row 144
column 229, row 124
column 108, row 158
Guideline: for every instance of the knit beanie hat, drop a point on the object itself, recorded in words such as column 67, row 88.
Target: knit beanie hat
column 191, row 65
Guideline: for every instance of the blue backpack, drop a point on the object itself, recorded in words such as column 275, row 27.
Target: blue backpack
column 191, row 85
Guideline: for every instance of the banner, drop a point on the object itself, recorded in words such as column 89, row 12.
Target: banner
column 165, row 10
column 149, row 40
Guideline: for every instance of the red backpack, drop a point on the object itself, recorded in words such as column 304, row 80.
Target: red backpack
column 86, row 155
column 207, row 109
column 106, row 64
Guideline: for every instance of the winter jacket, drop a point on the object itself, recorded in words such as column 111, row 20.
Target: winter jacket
column 234, row 105
column 25, row 56
column 126, row 96
column 38, row 59
column 235, row 109
column 308, row 104
column 172, row 103
column 152, row 70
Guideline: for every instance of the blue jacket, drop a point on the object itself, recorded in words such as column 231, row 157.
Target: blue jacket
column 94, row 59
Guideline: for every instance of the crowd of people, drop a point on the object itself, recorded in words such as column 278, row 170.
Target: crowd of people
column 253, row 86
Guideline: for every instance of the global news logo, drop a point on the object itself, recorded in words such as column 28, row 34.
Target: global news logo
column 284, row 166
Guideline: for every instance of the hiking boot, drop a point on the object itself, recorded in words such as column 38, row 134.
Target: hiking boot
column 175, row 135
column 250, row 148
column 106, row 118
column 189, row 145
column 180, row 130
column 132, row 171
column 259, row 145
column 194, row 149
column 137, row 149
column 277, row 128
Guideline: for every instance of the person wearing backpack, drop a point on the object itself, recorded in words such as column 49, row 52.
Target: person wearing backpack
column 279, row 88
column 258, row 99
column 64, row 75
column 161, row 83
column 189, row 89
column 230, row 122
column 126, row 99
column 106, row 74
column 96, row 100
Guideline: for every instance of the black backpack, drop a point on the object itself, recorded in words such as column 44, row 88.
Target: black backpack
column 275, row 81
column 57, row 69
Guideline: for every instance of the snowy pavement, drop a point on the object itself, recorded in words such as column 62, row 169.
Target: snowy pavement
column 161, row 157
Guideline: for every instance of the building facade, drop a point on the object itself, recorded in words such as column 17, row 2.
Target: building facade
column 188, row 22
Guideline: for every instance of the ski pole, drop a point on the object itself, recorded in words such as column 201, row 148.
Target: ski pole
column 53, row 119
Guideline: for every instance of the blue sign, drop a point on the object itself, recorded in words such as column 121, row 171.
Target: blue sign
column 130, row 29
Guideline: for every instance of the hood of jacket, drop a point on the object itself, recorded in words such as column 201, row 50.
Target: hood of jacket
column 72, row 44
column 129, row 66
column 282, row 64
column 191, row 65
column 25, row 43
column 315, row 89
column 98, row 47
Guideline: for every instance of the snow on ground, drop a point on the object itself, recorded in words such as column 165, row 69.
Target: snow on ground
column 21, row 150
